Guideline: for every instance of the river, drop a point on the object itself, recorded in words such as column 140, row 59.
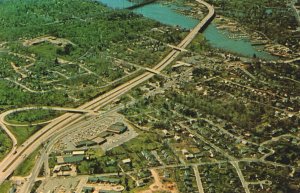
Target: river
column 217, row 38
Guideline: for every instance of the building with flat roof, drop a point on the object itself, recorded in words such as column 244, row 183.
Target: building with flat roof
column 79, row 152
column 99, row 140
column 74, row 159
column 64, row 170
column 84, row 143
column 118, row 128
column 101, row 179
column 108, row 191
column 88, row 189
column 69, row 159
column 105, row 134
column 73, row 151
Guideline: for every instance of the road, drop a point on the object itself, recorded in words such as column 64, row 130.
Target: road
column 81, row 184
column 25, row 87
column 241, row 176
column 198, row 179
column 13, row 160
column 296, row 12
column 35, row 172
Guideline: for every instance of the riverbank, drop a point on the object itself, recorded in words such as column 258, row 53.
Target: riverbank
column 275, row 19
column 257, row 39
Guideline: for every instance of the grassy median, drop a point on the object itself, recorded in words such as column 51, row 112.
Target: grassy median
column 25, row 168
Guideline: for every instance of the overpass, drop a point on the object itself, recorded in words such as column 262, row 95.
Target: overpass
column 180, row 63
column 177, row 48
column 156, row 72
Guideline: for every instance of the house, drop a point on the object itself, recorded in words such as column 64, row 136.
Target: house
column 126, row 161
column 177, row 138
column 166, row 133
column 189, row 156
column 244, row 142
column 184, row 151
column 191, row 135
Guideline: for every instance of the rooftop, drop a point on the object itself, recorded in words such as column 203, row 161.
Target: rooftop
column 69, row 159
column 117, row 128
column 99, row 140
column 84, row 143
column 104, row 179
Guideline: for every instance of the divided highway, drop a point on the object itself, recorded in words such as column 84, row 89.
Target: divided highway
column 18, row 154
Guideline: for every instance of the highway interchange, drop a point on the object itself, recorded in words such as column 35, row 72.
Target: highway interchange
column 73, row 116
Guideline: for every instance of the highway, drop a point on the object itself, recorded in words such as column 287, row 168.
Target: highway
column 13, row 160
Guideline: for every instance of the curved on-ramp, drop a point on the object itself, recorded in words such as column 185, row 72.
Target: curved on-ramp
column 73, row 110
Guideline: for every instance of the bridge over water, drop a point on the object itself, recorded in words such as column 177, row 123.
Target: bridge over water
column 140, row 3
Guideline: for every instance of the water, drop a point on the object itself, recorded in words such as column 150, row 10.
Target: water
column 217, row 38
column 157, row 12
column 116, row 4
column 167, row 16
